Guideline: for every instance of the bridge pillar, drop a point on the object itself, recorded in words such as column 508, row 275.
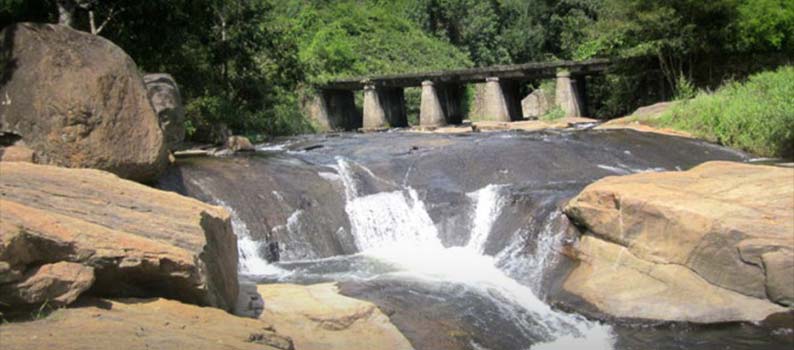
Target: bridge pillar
column 333, row 110
column 566, row 96
column 497, row 101
column 431, row 111
column 384, row 108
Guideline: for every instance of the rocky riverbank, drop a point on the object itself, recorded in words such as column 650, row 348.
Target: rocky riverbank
column 92, row 260
column 312, row 317
column 712, row 244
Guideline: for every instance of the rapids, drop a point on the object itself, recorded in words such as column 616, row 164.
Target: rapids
column 458, row 238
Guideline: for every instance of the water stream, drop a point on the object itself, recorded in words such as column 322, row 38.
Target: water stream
column 457, row 238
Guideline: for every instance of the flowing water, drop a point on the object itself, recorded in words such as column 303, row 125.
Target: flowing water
column 457, row 238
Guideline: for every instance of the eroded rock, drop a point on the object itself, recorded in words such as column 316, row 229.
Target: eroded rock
column 55, row 284
column 779, row 266
column 729, row 224
column 90, row 107
column 139, row 241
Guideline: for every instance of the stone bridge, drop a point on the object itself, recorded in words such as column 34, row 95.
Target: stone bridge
column 497, row 98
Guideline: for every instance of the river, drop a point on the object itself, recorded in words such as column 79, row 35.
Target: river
column 458, row 238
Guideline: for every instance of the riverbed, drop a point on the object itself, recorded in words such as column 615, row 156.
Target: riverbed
column 458, row 238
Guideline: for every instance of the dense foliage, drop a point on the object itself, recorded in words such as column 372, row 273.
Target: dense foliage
column 247, row 63
column 755, row 116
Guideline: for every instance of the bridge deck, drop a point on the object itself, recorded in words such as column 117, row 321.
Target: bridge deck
column 527, row 71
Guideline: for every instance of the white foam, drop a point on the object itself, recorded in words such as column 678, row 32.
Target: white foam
column 488, row 203
column 395, row 227
column 250, row 262
column 268, row 147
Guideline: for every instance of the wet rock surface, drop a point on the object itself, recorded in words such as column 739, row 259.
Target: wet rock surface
column 292, row 182
column 534, row 174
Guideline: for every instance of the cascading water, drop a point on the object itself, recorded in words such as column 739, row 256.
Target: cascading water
column 251, row 263
column 488, row 203
column 410, row 223
column 395, row 227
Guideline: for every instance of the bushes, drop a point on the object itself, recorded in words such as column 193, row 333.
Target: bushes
column 756, row 116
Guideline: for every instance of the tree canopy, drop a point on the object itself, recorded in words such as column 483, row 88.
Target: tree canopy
column 246, row 62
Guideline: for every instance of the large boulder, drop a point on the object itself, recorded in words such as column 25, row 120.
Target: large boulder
column 318, row 317
column 167, row 102
column 710, row 244
column 78, row 101
column 537, row 104
column 138, row 241
column 142, row 324
column 239, row 144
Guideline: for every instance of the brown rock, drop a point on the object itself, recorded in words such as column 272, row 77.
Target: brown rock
column 716, row 220
column 17, row 154
column 643, row 120
column 56, row 284
column 239, row 144
column 139, row 240
column 90, row 107
column 317, row 317
column 618, row 283
column 142, row 324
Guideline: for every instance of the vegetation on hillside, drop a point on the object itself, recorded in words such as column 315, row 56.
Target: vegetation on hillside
column 246, row 63
column 755, row 116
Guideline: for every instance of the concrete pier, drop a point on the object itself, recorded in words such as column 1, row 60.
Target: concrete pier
column 497, row 101
column 383, row 108
column 431, row 111
column 333, row 110
column 566, row 96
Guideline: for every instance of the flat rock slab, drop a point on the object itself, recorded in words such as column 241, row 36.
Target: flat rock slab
column 729, row 225
column 142, row 324
column 531, row 125
column 318, row 317
column 140, row 241
column 642, row 119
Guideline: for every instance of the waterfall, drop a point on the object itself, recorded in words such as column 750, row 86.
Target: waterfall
column 386, row 220
column 488, row 203
column 532, row 266
column 395, row 227
column 250, row 262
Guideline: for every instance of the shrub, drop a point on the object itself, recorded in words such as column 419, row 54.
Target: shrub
column 755, row 116
column 553, row 114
